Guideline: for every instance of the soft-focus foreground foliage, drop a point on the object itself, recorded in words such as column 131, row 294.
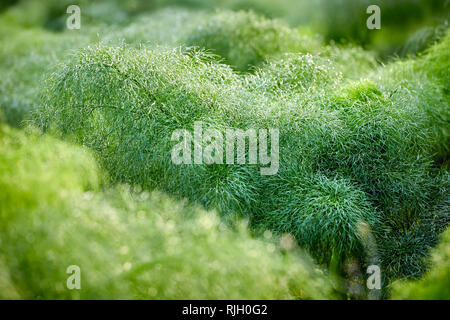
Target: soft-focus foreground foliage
column 364, row 147
column 128, row 244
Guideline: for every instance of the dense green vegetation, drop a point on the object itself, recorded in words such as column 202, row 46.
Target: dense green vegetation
column 435, row 284
column 128, row 243
column 364, row 149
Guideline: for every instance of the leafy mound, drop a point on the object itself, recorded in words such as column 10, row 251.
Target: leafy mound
column 437, row 62
column 245, row 40
column 323, row 214
column 127, row 243
column 302, row 75
column 366, row 144
column 435, row 285
column 25, row 57
column 364, row 152
column 168, row 90
column 48, row 163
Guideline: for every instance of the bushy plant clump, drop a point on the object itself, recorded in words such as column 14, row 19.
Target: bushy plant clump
column 379, row 148
column 341, row 21
column 324, row 214
column 294, row 74
column 127, row 242
column 435, row 284
column 26, row 55
column 363, row 62
column 421, row 87
column 309, row 76
column 417, row 94
column 245, row 40
column 164, row 91
column 436, row 63
column 156, row 93
column 364, row 150
column 357, row 152
column 388, row 134
column 48, row 163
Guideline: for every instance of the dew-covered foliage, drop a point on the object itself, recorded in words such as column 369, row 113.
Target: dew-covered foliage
column 435, row 285
column 363, row 149
column 127, row 242
column 26, row 55
column 350, row 151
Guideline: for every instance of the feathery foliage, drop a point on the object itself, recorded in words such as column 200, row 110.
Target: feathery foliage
column 148, row 246
column 26, row 56
column 358, row 142
column 435, row 284
column 244, row 39
column 364, row 148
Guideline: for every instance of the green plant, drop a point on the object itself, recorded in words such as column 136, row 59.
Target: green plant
column 371, row 145
column 128, row 243
column 435, row 283
column 26, row 56
column 245, row 40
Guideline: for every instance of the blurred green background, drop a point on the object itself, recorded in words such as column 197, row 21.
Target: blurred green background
column 408, row 26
